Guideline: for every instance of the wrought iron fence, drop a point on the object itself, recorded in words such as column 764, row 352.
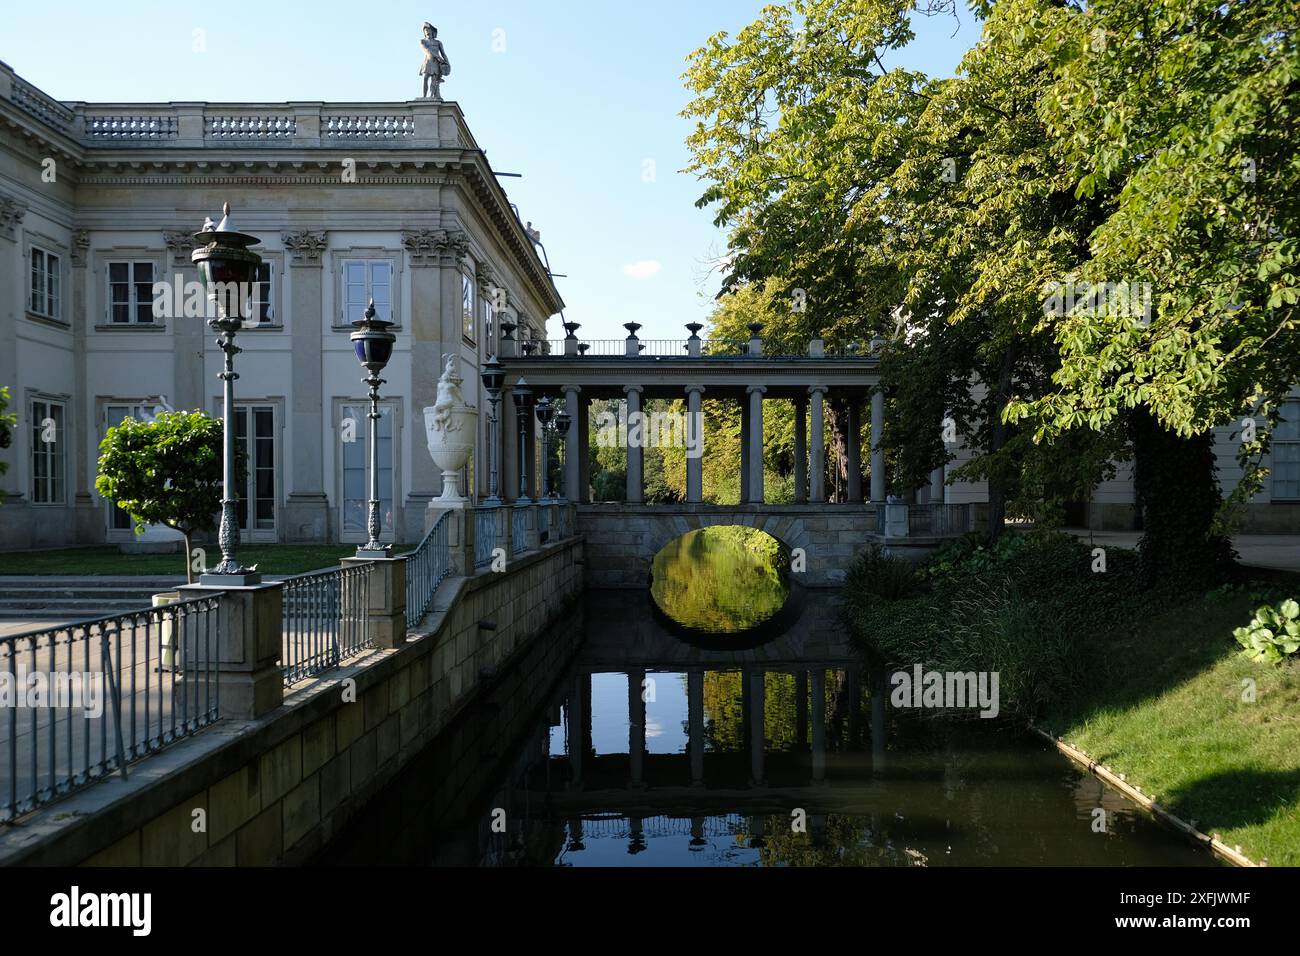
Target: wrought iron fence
column 87, row 699
column 325, row 619
column 489, row 533
column 518, row 529
column 427, row 567
column 939, row 520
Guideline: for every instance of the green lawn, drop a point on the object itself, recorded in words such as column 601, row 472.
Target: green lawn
column 107, row 559
column 1168, row 713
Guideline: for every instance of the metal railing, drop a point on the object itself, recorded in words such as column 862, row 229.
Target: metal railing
column 518, row 530
column 325, row 619
column 939, row 520
column 564, row 521
column 427, row 567
column 489, row 533
column 89, row 698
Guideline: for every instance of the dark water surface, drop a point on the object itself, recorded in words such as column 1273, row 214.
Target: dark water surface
column 784, row 754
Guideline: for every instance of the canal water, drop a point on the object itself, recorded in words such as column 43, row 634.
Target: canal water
column 618, row 739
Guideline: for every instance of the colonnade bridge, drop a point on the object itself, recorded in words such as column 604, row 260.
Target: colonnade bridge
column 624, row 537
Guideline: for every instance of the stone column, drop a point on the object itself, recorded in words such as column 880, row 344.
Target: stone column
column 13, row 294
column 800, row 450
column 818, row 725
column 853, row 424
column 694, row 444
column 582, row 423
column 755, row 436
column 757, row 698
column 509, row 429
column 635, row 443
column 89, row 517
column 249, row 631
column 936, row 485
column 695, row 724
column 386, row 610
column 636, row 727
column 877, row 449
column 307, row 512
column 576, row 714
column 817, row 444
column 744, row 452
column 574, row 450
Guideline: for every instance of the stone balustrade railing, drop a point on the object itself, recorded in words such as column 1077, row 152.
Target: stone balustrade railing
column 416, row 123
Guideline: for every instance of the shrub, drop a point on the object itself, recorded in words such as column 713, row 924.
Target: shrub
column 1273, row 634
column 876, row 574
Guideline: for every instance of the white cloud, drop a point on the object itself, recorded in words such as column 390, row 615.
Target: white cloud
column 643, row 269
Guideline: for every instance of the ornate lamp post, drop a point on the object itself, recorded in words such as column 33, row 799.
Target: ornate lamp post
column 494, row 376
column 545, row 412
column 373, row 344
column 229, row 270
column 562, row 422
column 523, row 398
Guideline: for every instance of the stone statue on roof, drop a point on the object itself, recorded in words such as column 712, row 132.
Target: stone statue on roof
column 436, row 67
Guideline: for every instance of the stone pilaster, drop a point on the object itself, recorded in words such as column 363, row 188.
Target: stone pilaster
column 307, row 511
column 755, row 436
column 817, row 444
column 635, row 444
column 695, row 443
column 573, row 450
column 877, row 446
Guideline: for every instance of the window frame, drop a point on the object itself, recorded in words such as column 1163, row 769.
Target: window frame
column 1293, row 419
column 59, row 457
column 367, row 260
column 133, row 284
column 55, row 274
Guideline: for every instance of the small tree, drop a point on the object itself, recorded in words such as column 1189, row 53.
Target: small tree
column 7, row 421
column 167, row 471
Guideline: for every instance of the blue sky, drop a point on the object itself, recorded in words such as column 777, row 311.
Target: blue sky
column 577, row 96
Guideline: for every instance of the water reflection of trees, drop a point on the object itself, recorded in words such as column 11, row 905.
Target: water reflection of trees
column 720, row 579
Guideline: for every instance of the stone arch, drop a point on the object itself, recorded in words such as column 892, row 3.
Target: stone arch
column 789, row 530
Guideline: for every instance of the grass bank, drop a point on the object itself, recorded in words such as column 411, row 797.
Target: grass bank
column 1150, row 684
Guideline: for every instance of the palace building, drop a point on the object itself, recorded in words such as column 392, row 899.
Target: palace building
column 394, row 202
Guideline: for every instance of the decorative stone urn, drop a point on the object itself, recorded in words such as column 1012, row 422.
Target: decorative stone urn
column 449, row 428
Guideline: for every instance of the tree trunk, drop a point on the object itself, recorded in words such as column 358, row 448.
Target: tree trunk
column 997, row 439
column 189, row 564
column 1177, row 495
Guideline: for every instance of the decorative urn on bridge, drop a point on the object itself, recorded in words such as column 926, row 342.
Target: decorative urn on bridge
column 450, row 426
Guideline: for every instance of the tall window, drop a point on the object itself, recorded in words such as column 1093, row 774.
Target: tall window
column 356, row 488
column 1286, row 454
column 467, row 306
column 114, row 416
column 489, row 327
column 45, row 284
column 257, row 496
column 48, row 442
column 130, row 292
column 265, row 314
column 363, row 280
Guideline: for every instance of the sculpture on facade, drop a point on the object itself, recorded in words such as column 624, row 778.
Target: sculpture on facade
column 449, row 426
column 436, row 67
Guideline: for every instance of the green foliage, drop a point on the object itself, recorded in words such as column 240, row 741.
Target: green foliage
column 1027, row 606
column 877, row 576
column 7, row 421
column 1273, row 634
column 167, row 471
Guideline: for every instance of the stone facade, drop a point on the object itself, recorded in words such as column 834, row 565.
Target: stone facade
column 622, row 543
column 394, row 201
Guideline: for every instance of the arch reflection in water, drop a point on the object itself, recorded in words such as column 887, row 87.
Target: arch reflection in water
column 613, row 743
column 721, row 580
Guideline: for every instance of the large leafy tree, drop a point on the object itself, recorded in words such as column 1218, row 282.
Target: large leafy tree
column 1184, row 112
column 167, row 471
column 7, row 421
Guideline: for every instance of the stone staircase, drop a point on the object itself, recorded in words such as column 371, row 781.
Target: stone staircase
column 24, row 597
